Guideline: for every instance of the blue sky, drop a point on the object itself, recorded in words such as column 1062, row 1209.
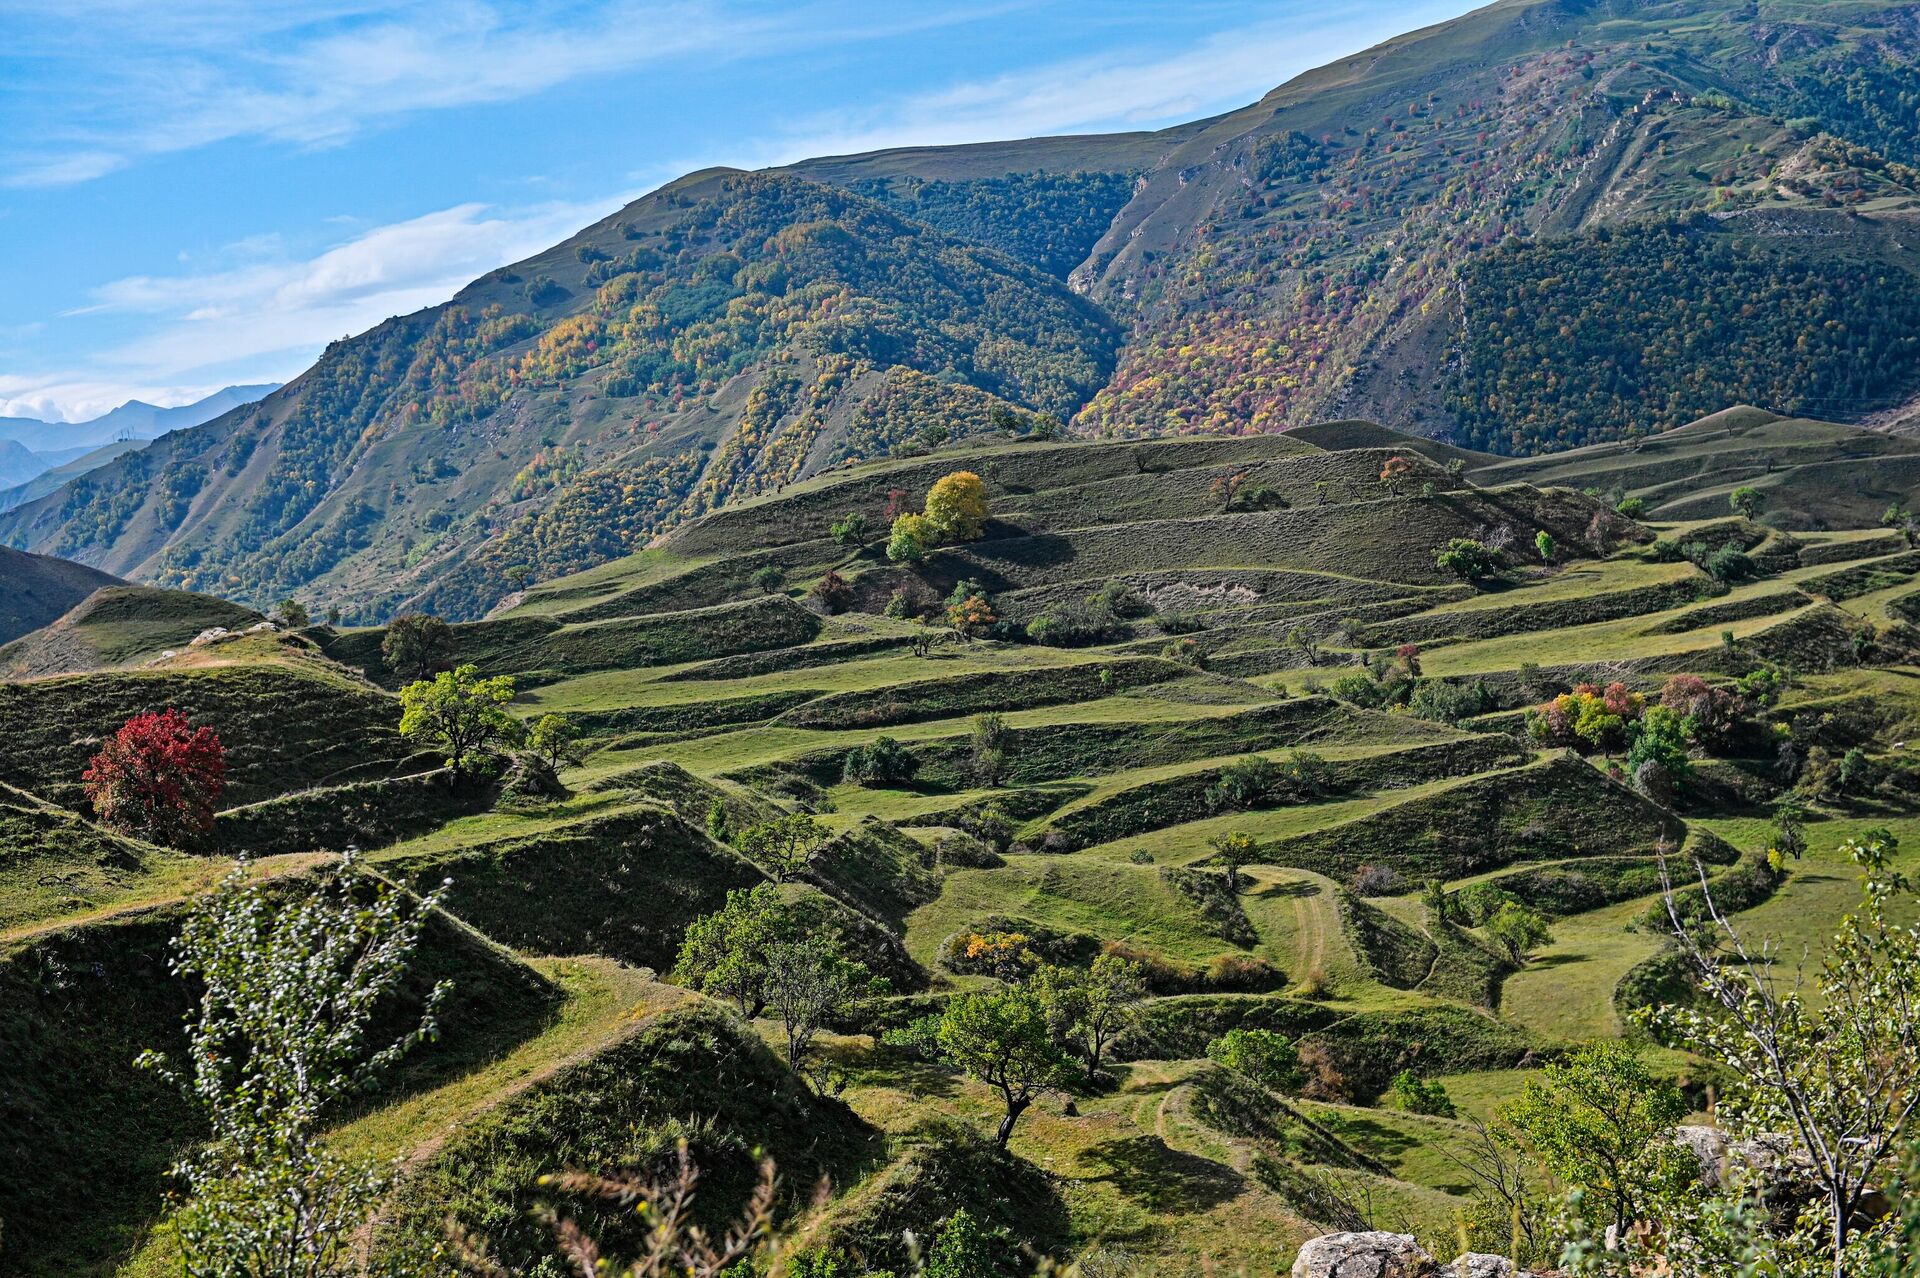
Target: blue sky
column 200, row 192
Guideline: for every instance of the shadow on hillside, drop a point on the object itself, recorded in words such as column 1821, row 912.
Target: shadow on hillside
column 1145, row 1169
column 1289, row 889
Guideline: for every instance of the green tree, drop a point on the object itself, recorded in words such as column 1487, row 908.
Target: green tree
column 852, row 529
column 911, row 539
column 1001, row 1037
column 784, row 846
column 1234, row 850
column 416, row 643
column 1088, row 1008
column 810, row 983
column 957, row 507
column 719, row 821
column 1838, row 1064
column 554, row 741
column 1518, row 930
column 1268, row 1058
column 291, row 613
column 1746, row 501
column 987, row 749
column 1544, row 543
column 289, row 984
column 725, row 953
column 769, row 579
column 459, row 714
column 1466, row 558
column 1602, row 1121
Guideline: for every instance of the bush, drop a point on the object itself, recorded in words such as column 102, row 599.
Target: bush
column 884, row 763
column 832, row 592
column 1376, row 880
column 1467, row 559
column 1418, row 1095
column 1267, row 1058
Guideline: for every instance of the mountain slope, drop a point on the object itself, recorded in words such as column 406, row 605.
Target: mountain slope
column 37, row 589
column 1730, row 186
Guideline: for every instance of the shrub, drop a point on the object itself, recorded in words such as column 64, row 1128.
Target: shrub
column 852, row 529
column 1072, row 625
column 1243, row 974
column 1468, row 559
column 1417, row 1095
column 832, row 592
column 1447, row 702
column 769, row 579
column 1120, row 600
column 1376, row 880
column 1244, row 783
column 969, row 610
column 159, row 778
column 1187, row 652
column 911, row 539
column 884, row 763
column 1729, row 563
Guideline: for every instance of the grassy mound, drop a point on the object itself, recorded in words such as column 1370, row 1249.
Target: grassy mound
column 116, row 625
column 40, row 588
column 85, row 1139
column 285, row 726
column 680, row 1076
column 1558, row 808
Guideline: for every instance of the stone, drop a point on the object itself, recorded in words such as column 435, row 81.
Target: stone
column 1373, row 1254
column 1480, row 1264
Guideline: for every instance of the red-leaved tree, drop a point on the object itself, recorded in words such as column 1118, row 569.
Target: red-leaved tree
column 159, row 777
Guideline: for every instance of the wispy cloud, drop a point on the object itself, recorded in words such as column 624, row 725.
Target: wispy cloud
column 1126, row 88
column 152, row 79
column 263, row 317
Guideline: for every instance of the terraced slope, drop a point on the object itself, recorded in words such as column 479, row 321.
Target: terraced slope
column 1313, row 631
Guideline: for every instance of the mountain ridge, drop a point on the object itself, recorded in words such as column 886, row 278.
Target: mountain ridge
column 1325, row 252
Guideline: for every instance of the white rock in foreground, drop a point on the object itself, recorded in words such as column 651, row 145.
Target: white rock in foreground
column 1365, row 1255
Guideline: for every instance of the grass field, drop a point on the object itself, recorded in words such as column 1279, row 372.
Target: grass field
column 1109, row 766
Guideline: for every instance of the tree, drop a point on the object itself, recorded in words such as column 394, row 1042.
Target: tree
column 1659, row 740
column 1001, row 1038
column 458, row 713
column 911, row 538
column 810, row 982
column 833, row 592
column 884, row 763
column 1466, row 558
column 957, row 507
column 1518, row 930
column 416, row 644
column 786, row 845
column 987, row 749
column 1394, row 473
column 1233, row 850
column 1268, row 1058
column 1838, row 1066
column 769, row 579
column 1602, row 1121
column 725, row 953
column 158, row 778
column 1303, row 643
column 1746, row 501
column 1904, row 522
column 969, row 611
column 290, row 984
column 1544, row 543
column 292, row 614
column 1789, row 835
column 554, row 741
column 852, row 529
column 719, row 821
column 1088, row 1008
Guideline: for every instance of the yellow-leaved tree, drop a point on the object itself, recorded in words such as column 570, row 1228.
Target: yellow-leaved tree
column 957, row 506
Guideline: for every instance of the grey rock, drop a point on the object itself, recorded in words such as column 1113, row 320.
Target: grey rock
column 1364, row 1255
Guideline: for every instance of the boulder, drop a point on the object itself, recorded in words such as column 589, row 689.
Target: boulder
column 1479, row 1264
column 1373, row 1254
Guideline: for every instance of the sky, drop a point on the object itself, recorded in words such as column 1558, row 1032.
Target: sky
column 197, row 193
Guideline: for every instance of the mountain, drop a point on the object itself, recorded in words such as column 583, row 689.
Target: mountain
column 135, row 419
column 1545, row 224
column 18, row 463
column 39, row 589
column 55, row 473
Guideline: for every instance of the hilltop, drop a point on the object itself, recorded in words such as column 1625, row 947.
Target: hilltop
column 1542, row 225
column 40, row 588
column 1184, row 639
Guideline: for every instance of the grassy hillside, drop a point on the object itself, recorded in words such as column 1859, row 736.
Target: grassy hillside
column 1295, row 669
column 119, row 625
column 40, row 589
